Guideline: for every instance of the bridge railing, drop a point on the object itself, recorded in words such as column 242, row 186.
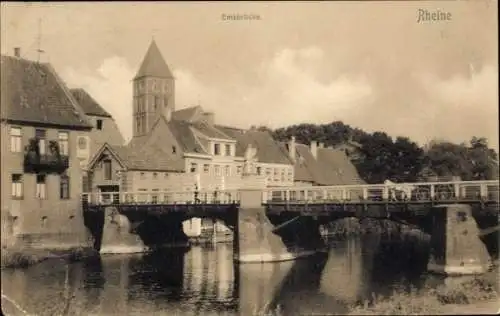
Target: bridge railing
column 424, row 192
column 177, row 197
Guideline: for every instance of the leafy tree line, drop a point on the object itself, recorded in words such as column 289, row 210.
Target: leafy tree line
column 381, row 157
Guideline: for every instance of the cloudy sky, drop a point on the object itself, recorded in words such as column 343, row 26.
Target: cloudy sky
column 371, row 65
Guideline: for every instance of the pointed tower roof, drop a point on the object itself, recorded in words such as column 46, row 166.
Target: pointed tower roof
column 153, row 64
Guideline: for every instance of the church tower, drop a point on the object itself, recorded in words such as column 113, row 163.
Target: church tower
column 154, row 91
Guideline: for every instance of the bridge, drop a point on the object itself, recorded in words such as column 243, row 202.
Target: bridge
column 276, row 224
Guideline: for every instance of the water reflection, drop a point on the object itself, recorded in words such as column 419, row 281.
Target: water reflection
column 204, row 281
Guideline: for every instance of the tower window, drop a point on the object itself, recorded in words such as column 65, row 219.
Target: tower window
column 174, row 149
column 99, row 124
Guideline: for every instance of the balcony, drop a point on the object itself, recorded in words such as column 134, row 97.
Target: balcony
column 51, row 162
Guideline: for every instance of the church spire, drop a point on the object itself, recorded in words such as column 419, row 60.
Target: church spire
column 153, row 64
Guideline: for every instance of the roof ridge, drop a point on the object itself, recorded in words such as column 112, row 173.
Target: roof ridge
column 197, row 139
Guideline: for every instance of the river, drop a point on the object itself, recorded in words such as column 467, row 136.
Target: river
column 203, row 280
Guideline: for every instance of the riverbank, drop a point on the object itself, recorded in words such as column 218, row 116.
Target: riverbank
column 475, row 295
column 28, row 257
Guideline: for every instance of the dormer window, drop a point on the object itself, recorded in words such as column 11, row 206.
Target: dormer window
column 99, row 124
column 217, row 149
column 228, row 150
column 194, row 166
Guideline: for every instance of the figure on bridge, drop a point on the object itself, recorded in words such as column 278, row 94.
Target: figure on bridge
column 405, row 190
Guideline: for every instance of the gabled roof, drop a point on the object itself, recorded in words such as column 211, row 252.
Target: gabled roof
column 331, row 167
column 268, row 150
column 153, row 64
column 337, row 167
column 149, row 157
column 88, row 104
column 32, row 92
column 185, row 137
column 189, row 114
column 210, row 131
column 95, row 157
column 306, row 168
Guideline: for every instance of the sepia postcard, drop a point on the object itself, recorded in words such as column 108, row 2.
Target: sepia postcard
column 249, row 158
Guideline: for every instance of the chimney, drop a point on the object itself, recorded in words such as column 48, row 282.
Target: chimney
column 291, row 148
column 314, row 149
column 17, row 52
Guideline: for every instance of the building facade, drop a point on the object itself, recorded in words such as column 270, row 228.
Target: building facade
column 186, row 151
column 41, row 123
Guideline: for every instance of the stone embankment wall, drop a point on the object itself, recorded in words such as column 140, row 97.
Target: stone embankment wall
column 57, row 232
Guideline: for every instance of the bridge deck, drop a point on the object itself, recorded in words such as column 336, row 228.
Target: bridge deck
column 429, row 193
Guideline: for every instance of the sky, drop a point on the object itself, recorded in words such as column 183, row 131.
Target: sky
column 372, row 65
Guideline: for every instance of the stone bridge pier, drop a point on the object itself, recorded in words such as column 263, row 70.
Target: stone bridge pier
column 456, row 246
column 261, row 239
column 116, row 231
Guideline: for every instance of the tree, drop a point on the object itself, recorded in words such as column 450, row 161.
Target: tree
column 400, row 160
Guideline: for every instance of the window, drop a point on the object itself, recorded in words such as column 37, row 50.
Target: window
column 217, row 170
column 86, row 184
column 143, row 175
column 228, row 170
column 206, row 168
column 228, row 150
column 42, row 142
column 64, row 187
column 193, row 167
column 165, row 175
column 217, row 149
column 239, row 169
column 259, row 170
column 155, row 102
column 154, row 196
column 108, row 173
column 17, row 186
column 41, row 187
column 155, row 175
column 282, row 175
column 16, row 140
column 174, row 149
column 142, row 195
column 99, row 124
column 63, row 143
